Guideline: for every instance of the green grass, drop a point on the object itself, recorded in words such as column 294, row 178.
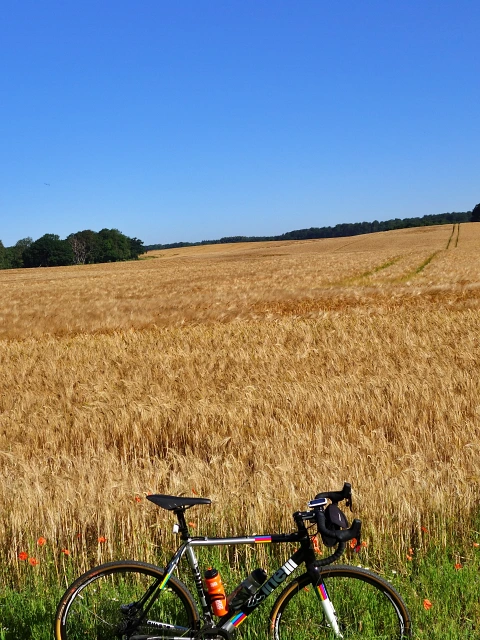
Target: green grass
column 28, row 614
column 454, row 594
column 27, row 605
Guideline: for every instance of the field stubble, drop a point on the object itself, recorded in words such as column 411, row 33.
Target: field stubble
column 256, row 375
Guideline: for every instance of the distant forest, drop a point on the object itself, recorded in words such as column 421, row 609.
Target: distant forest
column 111, row 245
column 340, row 230
column 83, row 247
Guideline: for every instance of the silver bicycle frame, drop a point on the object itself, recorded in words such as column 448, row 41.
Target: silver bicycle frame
column 187, row 549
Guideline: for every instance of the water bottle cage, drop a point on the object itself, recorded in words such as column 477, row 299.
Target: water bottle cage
column 246, row 589
column 238, row 599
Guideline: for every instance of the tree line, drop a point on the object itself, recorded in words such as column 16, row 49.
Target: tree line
column 83, row 247
column 341, row 230
column 110, row 245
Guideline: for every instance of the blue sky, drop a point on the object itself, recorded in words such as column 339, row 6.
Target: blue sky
column 189, row 120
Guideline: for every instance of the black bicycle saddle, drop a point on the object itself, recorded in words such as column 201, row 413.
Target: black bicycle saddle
column 176, row 502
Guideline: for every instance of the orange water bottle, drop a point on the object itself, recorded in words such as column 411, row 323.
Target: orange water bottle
column 216, row 591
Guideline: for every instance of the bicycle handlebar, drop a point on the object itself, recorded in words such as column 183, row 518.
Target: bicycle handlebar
column 342, row 535
column 338, row 496
column 335, row 532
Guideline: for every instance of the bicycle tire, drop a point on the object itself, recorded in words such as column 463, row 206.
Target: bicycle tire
column 367, row 607
column 90, row 609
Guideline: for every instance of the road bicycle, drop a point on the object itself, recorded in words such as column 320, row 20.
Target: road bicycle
column 133, row 600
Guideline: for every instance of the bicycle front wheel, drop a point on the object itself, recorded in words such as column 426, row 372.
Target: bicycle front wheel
column 122, row 600
column 366, row 607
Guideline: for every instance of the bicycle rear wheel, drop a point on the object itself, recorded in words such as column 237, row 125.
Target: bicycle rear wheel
column 367, row 607
column 103, row 604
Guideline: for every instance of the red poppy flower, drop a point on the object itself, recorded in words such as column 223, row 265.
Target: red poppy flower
column 316, row 546
column 138, row 499
column 41, row 541
column 33, row 562
column 427, row 604
column 66, row 552
column 102, row 539
column 23, row 555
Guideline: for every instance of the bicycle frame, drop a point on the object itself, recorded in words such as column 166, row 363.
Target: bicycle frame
column 231, row 621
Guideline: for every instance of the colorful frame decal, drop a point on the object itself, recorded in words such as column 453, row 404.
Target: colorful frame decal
column 238, row 619
column 322, row 592
column 165, row 580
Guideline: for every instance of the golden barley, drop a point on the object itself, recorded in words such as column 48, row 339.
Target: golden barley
column 255, row 374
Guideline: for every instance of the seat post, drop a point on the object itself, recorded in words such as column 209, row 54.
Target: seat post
column 183, row 529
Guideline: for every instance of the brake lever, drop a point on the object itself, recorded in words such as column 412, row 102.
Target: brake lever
column 348, row 498
column 354, row 532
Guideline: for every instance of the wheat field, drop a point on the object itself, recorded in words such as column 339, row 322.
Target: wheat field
column 255, row 374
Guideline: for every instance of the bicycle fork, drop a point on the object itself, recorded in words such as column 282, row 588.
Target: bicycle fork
column 328, row 608
column 322, row 594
